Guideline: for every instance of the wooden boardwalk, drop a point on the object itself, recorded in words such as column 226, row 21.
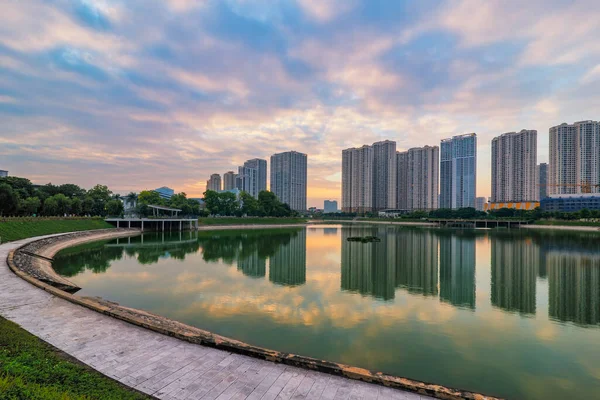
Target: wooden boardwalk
column 162, row 366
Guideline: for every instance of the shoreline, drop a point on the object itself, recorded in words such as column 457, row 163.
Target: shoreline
column 564, row 228
column 201, row 337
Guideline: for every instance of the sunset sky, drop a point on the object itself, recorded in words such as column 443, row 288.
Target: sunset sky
column 137, row 94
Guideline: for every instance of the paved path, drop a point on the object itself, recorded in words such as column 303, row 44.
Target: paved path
column 162, row 366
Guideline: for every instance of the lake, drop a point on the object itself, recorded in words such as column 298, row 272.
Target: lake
column 509, row 313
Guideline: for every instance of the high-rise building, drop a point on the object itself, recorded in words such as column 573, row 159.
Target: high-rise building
column 418, row 181
column 229, row 180
column 357, row 179
column 514, row 161
column 214, row 183
column 245, row 180
column 260, row 166
column 480, row 203
column 574, row 165
column 289, row 178
column 458, row 171
column 542, row 180
column 402, row 180
column 384, row 175
column 330, row 206
column 3, row 173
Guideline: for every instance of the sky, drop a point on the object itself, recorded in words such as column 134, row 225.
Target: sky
column 138, row 94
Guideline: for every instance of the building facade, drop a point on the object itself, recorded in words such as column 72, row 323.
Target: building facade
column 458, row 171
column 357, row 179
column 514, row 163
column 246, row 179
column 3, row 173
column 330, row 206
column 574, row 165
column 229, row 180
column 422, row 178
column 384, row 175
column 402, row 180
column 289, row 178
column 165, row 192
column 570, row 202
column 260, row 166
column 480, row 203
column 214, row 183
column 542, row 180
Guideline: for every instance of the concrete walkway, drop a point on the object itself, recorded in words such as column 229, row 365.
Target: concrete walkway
column 159, row 365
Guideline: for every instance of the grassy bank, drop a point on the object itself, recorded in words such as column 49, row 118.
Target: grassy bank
column 32, row 369
column 21, row 228
column 567, row 223
column 251, row 221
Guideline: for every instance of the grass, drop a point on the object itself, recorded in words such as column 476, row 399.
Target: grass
column 32, row 369
column 250, row 221
column 567, row 223
column 21, row 228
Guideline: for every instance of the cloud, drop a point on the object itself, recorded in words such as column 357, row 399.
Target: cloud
column 209, row 84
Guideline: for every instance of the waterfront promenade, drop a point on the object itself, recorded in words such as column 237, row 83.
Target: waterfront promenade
column 162, row 366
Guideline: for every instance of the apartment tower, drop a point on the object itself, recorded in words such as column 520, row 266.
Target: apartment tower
column 214, row 183
column 458, row 171
column 289, row 178
column 418, row 178
column 357, row 179
column 574, row 165
column 514, row 162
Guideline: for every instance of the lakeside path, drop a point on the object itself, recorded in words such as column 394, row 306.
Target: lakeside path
column 563, row 228
column 160, row 365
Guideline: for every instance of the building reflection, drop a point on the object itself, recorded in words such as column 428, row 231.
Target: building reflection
column 330, row 231
column 417, row 262
column 574, row 287
column 287, row 266
column 515, row 265
column 253, row 265
column 457, row 269
column 369, row 268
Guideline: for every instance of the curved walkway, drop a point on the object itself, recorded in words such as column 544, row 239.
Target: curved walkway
column 159, row 365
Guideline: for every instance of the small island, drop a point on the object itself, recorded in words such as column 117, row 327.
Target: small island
column 364, row 239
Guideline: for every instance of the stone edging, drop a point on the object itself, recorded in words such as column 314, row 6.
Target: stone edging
column 198, row 336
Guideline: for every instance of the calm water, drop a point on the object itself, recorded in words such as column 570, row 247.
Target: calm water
column 514, row 314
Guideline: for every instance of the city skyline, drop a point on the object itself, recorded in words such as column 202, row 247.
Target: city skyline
column 132, row 92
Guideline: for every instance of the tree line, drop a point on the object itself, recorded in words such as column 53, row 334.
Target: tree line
column 227, row 204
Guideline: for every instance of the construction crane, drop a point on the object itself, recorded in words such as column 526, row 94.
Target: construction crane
column 585, row 187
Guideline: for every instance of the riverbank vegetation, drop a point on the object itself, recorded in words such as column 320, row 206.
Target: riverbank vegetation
column 20, row 228
column 227, row 204
column 32, row 369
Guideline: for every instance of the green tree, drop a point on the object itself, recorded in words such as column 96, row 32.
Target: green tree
column 249, row 205
column 20, row 185
column 212, row 201
column 585, row 213
column 88, row 206
column 63, row 204
column 114, row 208
column 9, row 201
column 149, row 197
column 229, row 204
column 70, row 190
column 76, row 206
column 131, row 199
column 50, row 206
column 30, row 205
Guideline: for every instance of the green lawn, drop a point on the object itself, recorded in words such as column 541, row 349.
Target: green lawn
column 567, row 223
column 250, row 221
column 32, row 369
column 21, row 228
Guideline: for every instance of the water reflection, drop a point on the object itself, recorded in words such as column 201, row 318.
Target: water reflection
column 288, row 265
column 514, row 269
column 457, row 269
column 417, row 262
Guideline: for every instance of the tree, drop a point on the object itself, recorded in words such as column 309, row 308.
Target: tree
column 228, row 203
column 30, row 205
column 211, row 199
column 9, row 201
column 76, row 206
column 19, row 185
column 70, row 190
column 50, row 206
column 149, row 197
column 114, row 208
column 268, row 202
column 88, row 206
column 131, row 199
column 249, row 205
column 101, row 195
